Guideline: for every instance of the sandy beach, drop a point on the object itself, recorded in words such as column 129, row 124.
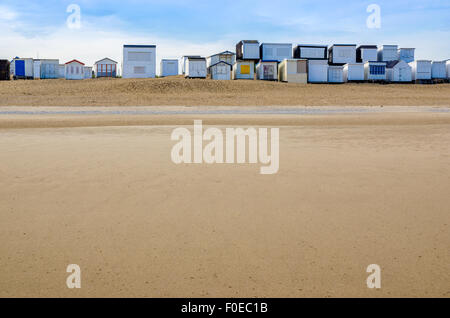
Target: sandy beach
column 101, row 191
column 174, row 91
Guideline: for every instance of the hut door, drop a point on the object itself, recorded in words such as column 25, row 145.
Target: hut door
column 20, row 68
column 268, row 71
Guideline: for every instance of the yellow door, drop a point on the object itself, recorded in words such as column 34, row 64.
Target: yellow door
column 245, row 69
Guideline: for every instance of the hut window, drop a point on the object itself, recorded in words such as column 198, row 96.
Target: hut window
column 139, row 70
column 377, row 69
column 139, row 56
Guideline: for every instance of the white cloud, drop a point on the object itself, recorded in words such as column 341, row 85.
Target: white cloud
column 7, row 14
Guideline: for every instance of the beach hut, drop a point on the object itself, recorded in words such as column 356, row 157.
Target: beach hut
column 335, row 74
column 23, row 68
column 62, row 71
column 366, row 53
column 46, row 69
column 438, row 70
column 398, row 71
column 169, row 67
column 275, row 51
column 317, row 71
column 74, row 70
column 354, row 72
column 388, row 53
column 5, row 70
column 36, row 69
column 49, row 68
column 226, row 56
column 244, row 70
column 293, row 71
column 421, row 70
column 342, row 54
column 406, row 54
column 196, row 67
column 448, row 69
column 139, row 61
column 375, row 71
column 247, row 50
column 87, row 72
column 184, row 59
column 311, row 52
column 267, row 70
column 221, row 71
column 105, row 68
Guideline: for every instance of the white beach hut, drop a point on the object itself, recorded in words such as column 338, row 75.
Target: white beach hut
column 169, row 67
column 448, row 69
column 342, row 54
column 88, row 72
column 184, row 59
column 23, row 68
column 311, row 52
column 335, row 74
column 317, row 71
column 388, row 53
column 62, row 71
column 244, row 70
column 275, row 51
column 49, row 69
column 354, row 72
column 247, row 50
column 37, row 69
column 225, row 56
column 221, row 71
column 375, row 71
column 421, row 70
column 293, row 71
column 366, row 53
column 196, row 67
column 105, row 68
column 74, row 70
column 398, row 71
column 267, row 71
column 139, row 61
column 406, row 54
column 438, row 70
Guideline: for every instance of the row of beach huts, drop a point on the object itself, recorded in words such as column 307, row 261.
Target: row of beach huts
column 338, row 63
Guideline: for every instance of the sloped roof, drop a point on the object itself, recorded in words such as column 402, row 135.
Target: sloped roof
column 75, row 61
column 106, row 58
column 221, row 62
column 391, row 64
column 223, row 53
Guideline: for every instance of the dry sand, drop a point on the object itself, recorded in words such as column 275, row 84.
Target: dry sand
column 352, row 190
column 197, row 92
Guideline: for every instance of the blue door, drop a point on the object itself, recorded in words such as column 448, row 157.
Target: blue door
column 20, row 68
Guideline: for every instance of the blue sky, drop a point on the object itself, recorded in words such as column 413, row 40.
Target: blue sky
column 32, row 28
